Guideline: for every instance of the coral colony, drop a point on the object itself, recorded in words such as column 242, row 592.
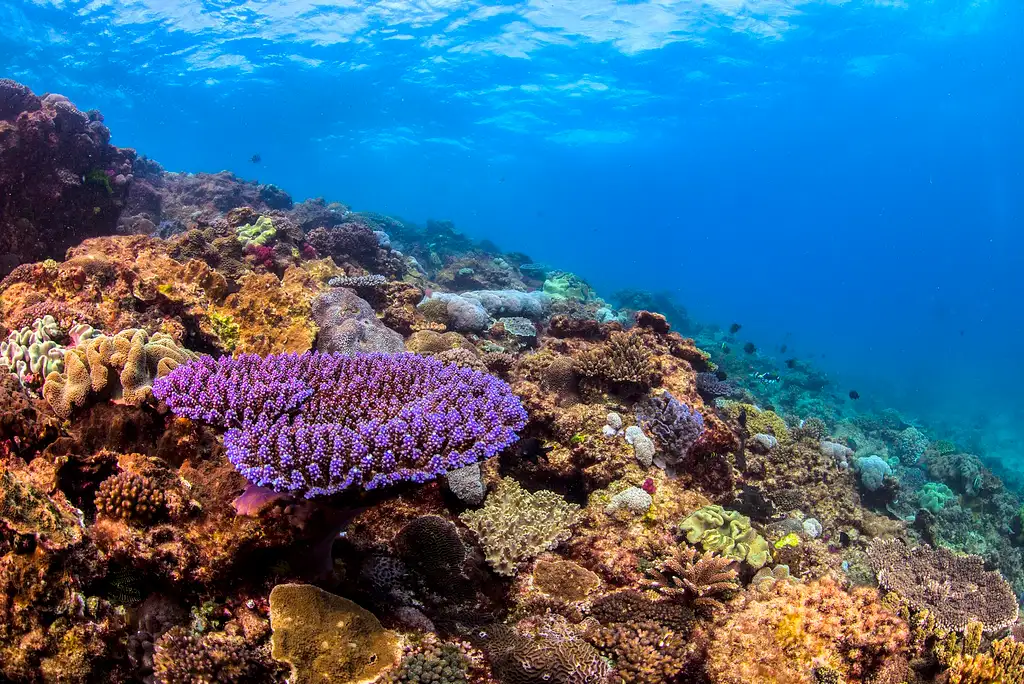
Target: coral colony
column 202, row 383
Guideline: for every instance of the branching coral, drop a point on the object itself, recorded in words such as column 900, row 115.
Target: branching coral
column 317, row 424
column 728, row 533
column 622, row 364
column 183, row 658
column 1004, row 665
column 515, row 525
column 694, row 580
column 784, row 634
column 644, row 652
column 954, row 589
column 122, row 367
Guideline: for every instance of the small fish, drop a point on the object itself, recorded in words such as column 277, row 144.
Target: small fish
column 782, row 349
column 726, row 349
column 256, row 158
column 790, row 363
column 734, row 328
column 854, row 394
column 766, row 377
column 749, row 348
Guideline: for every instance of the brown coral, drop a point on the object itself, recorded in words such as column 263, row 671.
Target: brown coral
column 954, row 589
column 183, row 658
column 564, row 579
column 622, row 364
column 521, row 659
column 644, row 652
column 1004, row 665
column 692, row 579
column 129, row 497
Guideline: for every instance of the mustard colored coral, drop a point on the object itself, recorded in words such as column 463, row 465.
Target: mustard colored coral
column 327, row 638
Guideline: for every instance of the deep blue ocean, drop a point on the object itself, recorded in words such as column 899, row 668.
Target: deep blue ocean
column 843, row 177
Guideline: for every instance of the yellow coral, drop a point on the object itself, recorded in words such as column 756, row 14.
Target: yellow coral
column 327, row 638
column 759, row 420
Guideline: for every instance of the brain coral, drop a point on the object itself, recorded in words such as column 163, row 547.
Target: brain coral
column 954, row 589
column 122, row 367
column 516, row 658
column 728, row 533
column 317, row 424
column 327, row 638
column 515, row 525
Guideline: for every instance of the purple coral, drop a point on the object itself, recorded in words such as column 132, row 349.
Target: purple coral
column 709, row 385
column 316, row 424
column 674, row 426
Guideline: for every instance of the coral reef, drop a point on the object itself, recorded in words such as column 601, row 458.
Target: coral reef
column 728, row 533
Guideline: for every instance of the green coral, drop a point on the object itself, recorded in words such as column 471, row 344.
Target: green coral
column 99, row 177
column 515, row 525
column 562, row 285
column 259, row 233
column 728, row 533
column 226, row 329
column 934, row 496
column 944, row 447
column 759, row 421
column 790, row 540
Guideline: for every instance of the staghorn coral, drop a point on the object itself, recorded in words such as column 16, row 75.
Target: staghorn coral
column 622, row 364
column 516, row 658
column 782, row 635
column 726, row 532
column 515, row 525
column 183, row 658
column 130, row 497
column 324, row 637
column 122, row 367
column 954, row 589
column 316, row 424
column 694, row 580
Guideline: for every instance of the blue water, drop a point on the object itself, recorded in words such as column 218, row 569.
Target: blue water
column 842, row 177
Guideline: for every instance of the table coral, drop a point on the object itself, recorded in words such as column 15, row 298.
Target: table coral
column 954, row 589
column 515, row 525
column 327, row 637
column 316, row 424
column 122, row 367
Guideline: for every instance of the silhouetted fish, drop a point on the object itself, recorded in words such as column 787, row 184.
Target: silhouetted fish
column 782, row 349
column 749, row 348
column 256, row 158
column 734, row 328
column 790, row 363
column 854, row 394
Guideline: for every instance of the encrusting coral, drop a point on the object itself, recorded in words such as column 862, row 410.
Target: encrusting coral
column 515, row 525
column 324, row 637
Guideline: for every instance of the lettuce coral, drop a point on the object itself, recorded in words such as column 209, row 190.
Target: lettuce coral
column 728, row 533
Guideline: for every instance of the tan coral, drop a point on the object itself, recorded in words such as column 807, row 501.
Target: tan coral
column 122, row 367
column 324, row 637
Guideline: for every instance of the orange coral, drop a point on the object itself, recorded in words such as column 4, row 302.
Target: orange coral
column 784, row 634
column 273, row 315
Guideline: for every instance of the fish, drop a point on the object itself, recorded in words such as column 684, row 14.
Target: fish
column 749, row 348
column 782, row 349
column 790, row 363
column 734, row 328
column 766, row 377
column 854, row 394
column 256, row 158
column 726, row 349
